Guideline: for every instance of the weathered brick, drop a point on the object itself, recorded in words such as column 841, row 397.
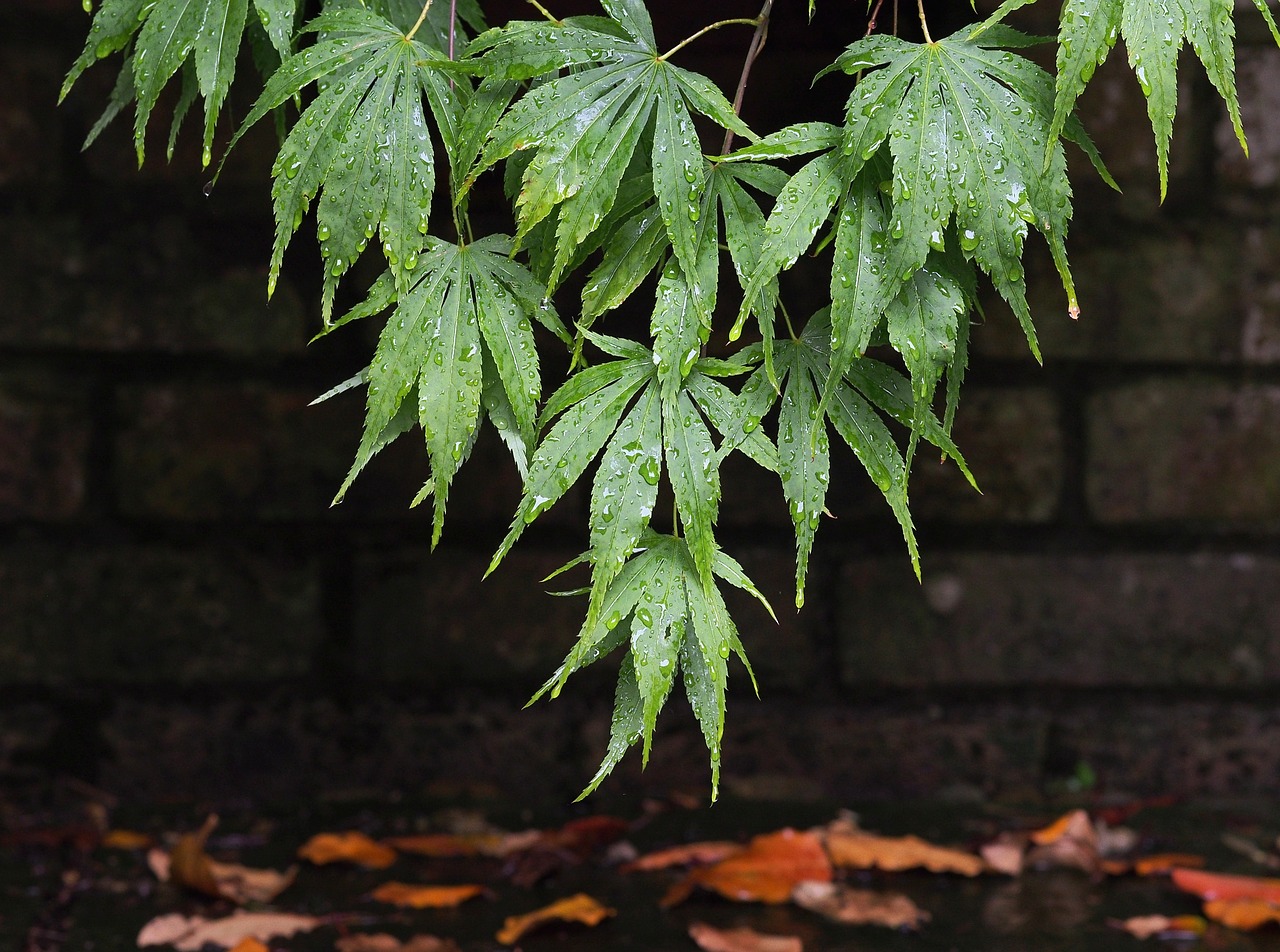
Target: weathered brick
column 1191, row 450
column 149, row 285
column 44, row 439
column 996, row 619
column 151, row 614
column 1258, row 82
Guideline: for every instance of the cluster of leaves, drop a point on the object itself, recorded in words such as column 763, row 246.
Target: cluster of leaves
column 951, row 152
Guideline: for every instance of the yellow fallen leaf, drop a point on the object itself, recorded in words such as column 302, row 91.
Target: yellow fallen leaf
column 351, row 847
column 711, row 939
column 425, row 897
column 839, row 903
column 857, row 850
column 577, row 908
column 192, row 933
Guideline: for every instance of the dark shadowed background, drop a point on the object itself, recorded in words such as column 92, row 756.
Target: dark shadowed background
column 182, row 614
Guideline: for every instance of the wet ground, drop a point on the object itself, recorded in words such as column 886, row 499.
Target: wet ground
column 60, row 897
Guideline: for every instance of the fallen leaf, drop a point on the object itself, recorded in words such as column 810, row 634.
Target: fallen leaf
column 1162, row 863
column 1161, row 927
column 1243, row 914
column 126, row 840
column 189, row 866
column 1005, row 853
column 840, row 903
column 1226, row 887
column 765, row 871
column 691, row 854
column 425, row 897
column 382, row 942
column 249, row 944
column 1069, row 824
column 1070, row 841
column 553, row 850
column 447, row 845
column 350, row 847
column 858, row 850
column 711, row 939
column 579, row 908
column 191, row 933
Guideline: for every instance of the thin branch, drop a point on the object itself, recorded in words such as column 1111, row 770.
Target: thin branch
column 453, row 24
column 543, row 10
column 421, row 18
column 871, row 24
column 743, row 21
column 753, row 51
column 924, row 24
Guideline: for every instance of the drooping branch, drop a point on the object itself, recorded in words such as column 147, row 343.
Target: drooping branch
column 753, row 51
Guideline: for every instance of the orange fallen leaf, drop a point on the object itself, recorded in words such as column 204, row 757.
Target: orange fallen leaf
column 1227, row 887
column 425, row 897
column 691, row 854
column 350, row 847
column 126, row 840
column 579, row 908
column 1070, row 841
column 192, row 933
column 840, row 903
column 1243, row 914
column 1161, row 863
column 711, row 939
column 765, row 871
column 249, row 944
column 1068, row 824
column 858, row 850
column 189, row 866
column 382, row 942
column 1165, row 927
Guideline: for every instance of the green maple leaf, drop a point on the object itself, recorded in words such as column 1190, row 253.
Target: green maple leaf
column 362, row 145
column 1154, row 33
column 584, row 128
column 463, row 329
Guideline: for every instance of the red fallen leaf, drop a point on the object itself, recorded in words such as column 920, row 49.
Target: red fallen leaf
column 351, row 847
column 579, row 908
column 858, row 850
column 1161, row 863
column 572, row 843
column 711, row 939
column 1243, row 914
column 1230, row 888
column 1162, row 927
column 765, row 871
column 426, row 897
column 839, row 903
column 382, row 942
column 691, row 854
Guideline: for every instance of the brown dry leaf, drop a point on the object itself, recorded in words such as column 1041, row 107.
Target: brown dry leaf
column 1164, row 927
column 191, row 933
column 1243, row 914
column 249, row 944
column 350, row 847
column 1005, row 854
column 577, row 908
column 858, row 850
column 1070, row 841
column 691, row 854
column 553, row 850
column 839, row 903
column 189, row 866
column 711, row 939
column 126, row 840
column 426, row 897
column 765, row 871
column 447, row 845
column 1163, row 863
column 382, row 942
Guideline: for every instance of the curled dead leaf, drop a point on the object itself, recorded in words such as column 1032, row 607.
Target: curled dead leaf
column 426, row 897
column 349, row 847
column 1161, row 927
column 858, row 850
column 766, row 870
column 711, row 939
column 1070, row 841
column 840, row 903
column 579, row 908
column 690, row 854
column 192, row 933
column 382, row 942
column 189, row 866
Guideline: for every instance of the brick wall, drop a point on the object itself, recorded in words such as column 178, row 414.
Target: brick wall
column 184, row 614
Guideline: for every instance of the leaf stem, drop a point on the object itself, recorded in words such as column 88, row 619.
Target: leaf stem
column 753, row 51
column 543, row 10
column 421, row 18
column 786, row 316
column 453, row 25
column 744, row 21
column 924, row 24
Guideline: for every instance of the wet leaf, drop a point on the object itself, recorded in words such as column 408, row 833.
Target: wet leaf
column 249, row 944
column 579, row 908
column 1161, row 927
column 1163, row 863
column 474, row 844
column 1243, row 914
column 350, row 847
column 840, row 903
column 382, row 942
column 765, row 871
column 126, row 840
column 690, row 854
column 857, row 850
column 1005, row 853
column 1227, row 887
column 192, row 933
column 711, row 939
column 1070, row 841
column 412, row 896
column 189, row 866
